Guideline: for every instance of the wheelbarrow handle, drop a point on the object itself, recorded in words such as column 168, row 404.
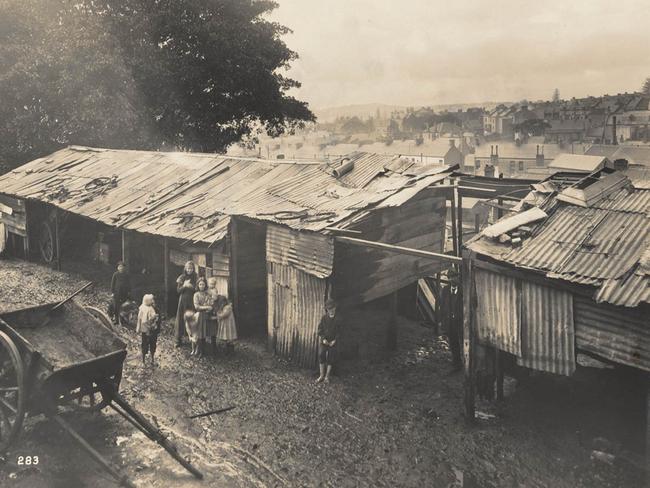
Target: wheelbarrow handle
column 70, row 297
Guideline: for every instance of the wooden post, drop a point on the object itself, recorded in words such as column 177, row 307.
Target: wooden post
column 436, row 329
column 391, row 336
column 469, row 302
column 57, row 239
column 477, row 223
column 454, row 235
column 460, row 223
column 498, row 370
column 500, row 204
column 234, row 257
column 26, row 240
column 647, row 429
column 166, row 274
column 126, row 255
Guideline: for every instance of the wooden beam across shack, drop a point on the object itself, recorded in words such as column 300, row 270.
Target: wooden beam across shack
column 398, row 249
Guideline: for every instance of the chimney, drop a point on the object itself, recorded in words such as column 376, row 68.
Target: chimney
column 494, row 157
column 620, row 164
column 614, row 137
column 452, row 143
column 345, row 167
column 539, row 157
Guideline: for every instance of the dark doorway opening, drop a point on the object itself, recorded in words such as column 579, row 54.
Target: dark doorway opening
column 250, row 277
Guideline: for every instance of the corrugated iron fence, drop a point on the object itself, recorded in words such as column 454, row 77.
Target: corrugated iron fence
column 298, row 264
column 531, row 321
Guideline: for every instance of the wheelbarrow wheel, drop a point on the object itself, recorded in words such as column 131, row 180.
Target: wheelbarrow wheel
column 12, row 392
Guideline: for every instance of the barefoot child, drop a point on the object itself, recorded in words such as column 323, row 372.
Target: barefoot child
column 146, row 326
column 328, row 332
column 227, row 327
column 192, row 329
column 211, row 331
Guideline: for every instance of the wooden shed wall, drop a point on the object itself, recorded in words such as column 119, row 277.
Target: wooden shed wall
column 363, row 274
column 13, row 215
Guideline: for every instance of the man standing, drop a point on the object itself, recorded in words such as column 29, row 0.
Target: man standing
column 328, row 331
column 120, row 289
column 450, row 306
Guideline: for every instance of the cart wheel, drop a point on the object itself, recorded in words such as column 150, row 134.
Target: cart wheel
column 101, row 316
column 46, row 242
column 12, row 391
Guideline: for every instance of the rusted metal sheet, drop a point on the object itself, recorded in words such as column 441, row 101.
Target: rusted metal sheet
column 628, row 291
column 547, row 329
column 363, row 274
column 296, row 305
column 618, row 334
column 310, row 252
column 192, row 196
column 601, row 246
column 497, row 311
column 366, row 167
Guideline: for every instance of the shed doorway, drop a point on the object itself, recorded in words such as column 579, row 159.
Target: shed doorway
column 249, row 276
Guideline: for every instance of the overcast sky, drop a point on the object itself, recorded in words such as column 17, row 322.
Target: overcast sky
column 415, row 52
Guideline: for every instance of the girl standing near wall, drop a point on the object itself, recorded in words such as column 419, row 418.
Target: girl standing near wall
column 185, row 286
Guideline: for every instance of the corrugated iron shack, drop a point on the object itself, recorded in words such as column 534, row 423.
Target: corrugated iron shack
column 266, row 229
column 566, row 275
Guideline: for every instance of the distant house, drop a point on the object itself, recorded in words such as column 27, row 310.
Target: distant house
column 514, row 160
column 499, row 120
column 566, row 131
column 578, row 163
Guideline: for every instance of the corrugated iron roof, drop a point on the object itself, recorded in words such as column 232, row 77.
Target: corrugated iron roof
column 578, row 162
column 192, row 196
column 602, row 246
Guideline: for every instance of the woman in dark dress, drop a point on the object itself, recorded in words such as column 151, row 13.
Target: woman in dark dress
column 185, row 286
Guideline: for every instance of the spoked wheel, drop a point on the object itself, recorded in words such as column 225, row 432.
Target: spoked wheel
column 101, row 316
column 89, row 398
column 46, row 242
column 12, row 391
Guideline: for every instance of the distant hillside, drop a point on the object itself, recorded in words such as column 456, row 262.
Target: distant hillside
column 363, row 111
column 367, row 110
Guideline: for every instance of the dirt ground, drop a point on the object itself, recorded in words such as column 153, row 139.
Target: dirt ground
column 395, row 422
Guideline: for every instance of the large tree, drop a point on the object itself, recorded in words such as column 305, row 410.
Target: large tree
column 191, row 74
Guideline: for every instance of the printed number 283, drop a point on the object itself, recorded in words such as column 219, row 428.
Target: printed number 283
column 27, row 460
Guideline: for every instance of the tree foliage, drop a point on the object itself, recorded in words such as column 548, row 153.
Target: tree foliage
column 645, row 89
column 556, row 95
column 534, row 127
column 190, row 74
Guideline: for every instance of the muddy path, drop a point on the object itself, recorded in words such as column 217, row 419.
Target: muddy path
column 392, row 422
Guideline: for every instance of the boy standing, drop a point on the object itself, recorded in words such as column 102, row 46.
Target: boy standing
column 328, row 331
column 120, row 289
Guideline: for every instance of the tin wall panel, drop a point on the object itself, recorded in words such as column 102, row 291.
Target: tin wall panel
column 547, row 329
column 615, row 333
column 310, row 252
column 296, row 305
column 497, row 312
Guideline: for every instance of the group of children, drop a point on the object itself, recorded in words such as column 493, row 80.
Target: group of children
column 202, row 313
column 212, row 318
